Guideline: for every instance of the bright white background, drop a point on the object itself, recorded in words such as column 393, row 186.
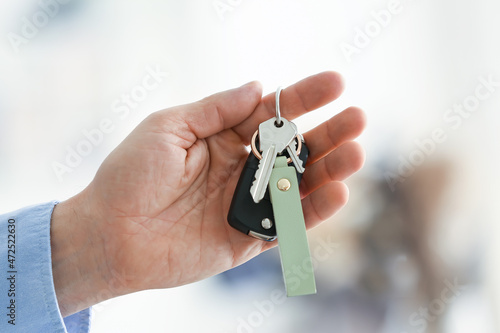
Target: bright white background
column 430, row 56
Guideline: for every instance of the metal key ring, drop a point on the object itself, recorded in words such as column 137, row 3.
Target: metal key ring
column 277, row 102
column 257, row 154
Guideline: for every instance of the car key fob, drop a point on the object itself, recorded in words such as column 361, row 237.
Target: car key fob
column 255, row 219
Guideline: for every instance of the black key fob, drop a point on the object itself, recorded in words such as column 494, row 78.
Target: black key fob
column 255, row 219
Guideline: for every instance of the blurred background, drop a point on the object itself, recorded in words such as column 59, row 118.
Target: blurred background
column 415, row 249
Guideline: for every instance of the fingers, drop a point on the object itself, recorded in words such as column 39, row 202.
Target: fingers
column 217, row 112
column 336, row 166
column 343, row 127
column 324, row 202
column 305, row 95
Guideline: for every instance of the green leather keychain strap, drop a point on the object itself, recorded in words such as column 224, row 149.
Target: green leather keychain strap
column 295, row 256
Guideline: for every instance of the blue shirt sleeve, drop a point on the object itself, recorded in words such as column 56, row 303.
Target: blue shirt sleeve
column 28, row 301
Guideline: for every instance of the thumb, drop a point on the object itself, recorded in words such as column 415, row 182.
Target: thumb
column 220, row 111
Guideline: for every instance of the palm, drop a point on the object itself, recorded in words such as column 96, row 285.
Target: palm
column 166, row 190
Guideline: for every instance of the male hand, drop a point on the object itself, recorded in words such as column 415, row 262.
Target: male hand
column 155, row 214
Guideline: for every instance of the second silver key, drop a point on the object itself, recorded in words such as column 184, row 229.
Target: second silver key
column 292, row 151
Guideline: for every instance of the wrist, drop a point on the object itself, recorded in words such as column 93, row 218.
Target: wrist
column 78, row 262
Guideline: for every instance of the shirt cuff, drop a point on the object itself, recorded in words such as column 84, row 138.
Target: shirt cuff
column 27, row 293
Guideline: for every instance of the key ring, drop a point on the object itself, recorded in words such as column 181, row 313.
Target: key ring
column 277, row 102
column 278, row 123
column 257, row 154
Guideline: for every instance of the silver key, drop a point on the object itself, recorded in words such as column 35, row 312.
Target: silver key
column 273, row 140
column 292, row 151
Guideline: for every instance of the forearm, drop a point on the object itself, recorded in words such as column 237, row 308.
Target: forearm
column 78, row 267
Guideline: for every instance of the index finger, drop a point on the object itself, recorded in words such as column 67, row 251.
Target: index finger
column 304, row 96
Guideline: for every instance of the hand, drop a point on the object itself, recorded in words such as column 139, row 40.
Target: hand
column 155, row 214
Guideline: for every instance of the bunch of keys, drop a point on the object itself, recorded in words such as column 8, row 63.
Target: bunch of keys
column 266, row 203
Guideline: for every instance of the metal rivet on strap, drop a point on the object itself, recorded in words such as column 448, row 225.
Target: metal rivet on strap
column 284, row 184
